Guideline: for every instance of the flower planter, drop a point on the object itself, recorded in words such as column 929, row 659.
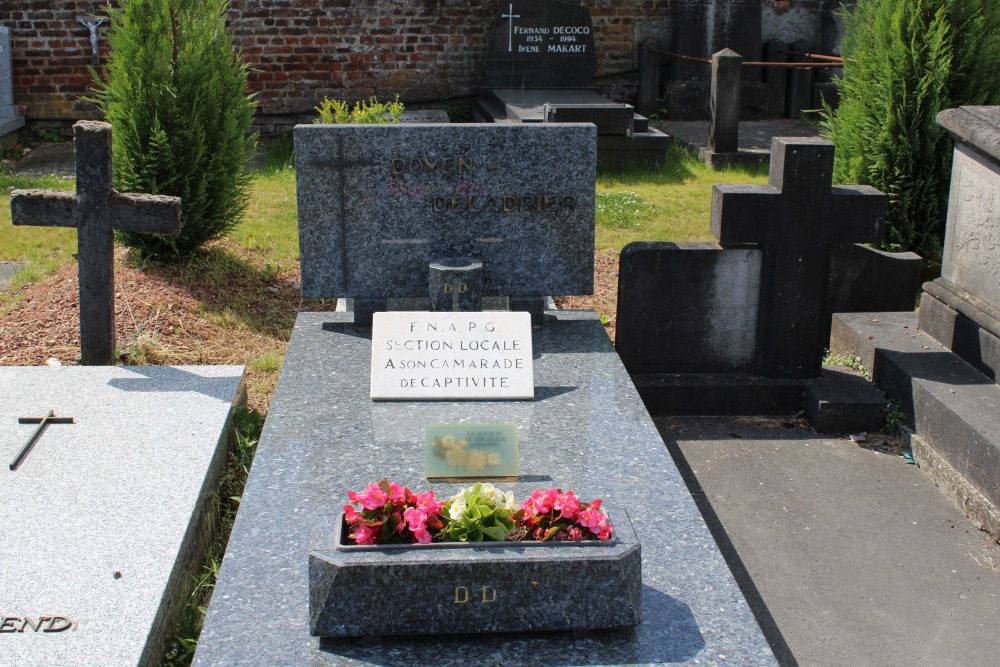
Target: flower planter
column 443, row 588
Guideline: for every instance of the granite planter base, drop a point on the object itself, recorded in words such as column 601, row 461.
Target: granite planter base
column 486, row 587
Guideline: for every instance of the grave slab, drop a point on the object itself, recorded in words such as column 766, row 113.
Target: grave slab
column 586, row 430
column 106, row 513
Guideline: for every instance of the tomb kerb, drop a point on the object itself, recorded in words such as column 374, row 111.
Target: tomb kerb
column 96, row 210
column 796, row 220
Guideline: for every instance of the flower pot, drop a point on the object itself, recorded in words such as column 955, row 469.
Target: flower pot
column 443, row 588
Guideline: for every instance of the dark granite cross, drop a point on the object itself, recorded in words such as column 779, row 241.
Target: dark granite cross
column 96, row 210
column 795, row 220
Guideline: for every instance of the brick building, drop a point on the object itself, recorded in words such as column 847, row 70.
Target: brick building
column 424, row 50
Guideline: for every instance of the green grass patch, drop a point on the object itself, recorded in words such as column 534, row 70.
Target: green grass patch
column 247, row 427
column 678, row 195
column 270, row 225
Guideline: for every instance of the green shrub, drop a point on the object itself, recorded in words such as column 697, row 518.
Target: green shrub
column 174, row 90
column 364, row 112
column 905, row 60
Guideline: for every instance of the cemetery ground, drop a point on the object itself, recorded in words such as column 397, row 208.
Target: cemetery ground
column 236, row 302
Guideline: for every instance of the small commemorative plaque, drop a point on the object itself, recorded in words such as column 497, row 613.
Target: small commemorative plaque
column 460, row 452
column 427, row 356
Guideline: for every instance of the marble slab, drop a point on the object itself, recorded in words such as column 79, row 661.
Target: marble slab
column 424, row 356
column 103, row 516
column 586, row 430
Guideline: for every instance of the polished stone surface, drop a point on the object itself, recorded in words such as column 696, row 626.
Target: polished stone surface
column 378, row 203
column 586, row 430
column 101, row 519
column 485, row 587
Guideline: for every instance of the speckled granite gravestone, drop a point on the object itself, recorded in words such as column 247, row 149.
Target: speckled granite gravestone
column 378, row 203
column 104, row 516
column 586, row 430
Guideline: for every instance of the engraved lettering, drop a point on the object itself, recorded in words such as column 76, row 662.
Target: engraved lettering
column 66, row 624
column 9, row 624
column 398, row 166
column 430, row 165
column 569, row 202
column 34, row 626
column 441, row 204
column 464, row 167
column 461, row 288
column 489, row 590
column 461, row 595
column 509, row 204
column 447, row 288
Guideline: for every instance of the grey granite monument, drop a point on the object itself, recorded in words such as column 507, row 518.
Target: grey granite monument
column 377, row 204
column 10, row 114
column 586, row 430
column 96, row 210
column 942, row 365
column 108, row 513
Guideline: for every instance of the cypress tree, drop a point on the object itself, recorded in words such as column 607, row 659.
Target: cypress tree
column 174, row 90
column 904, row 61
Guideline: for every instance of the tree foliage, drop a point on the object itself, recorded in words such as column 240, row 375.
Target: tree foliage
column 174, row 90
column 904, row 61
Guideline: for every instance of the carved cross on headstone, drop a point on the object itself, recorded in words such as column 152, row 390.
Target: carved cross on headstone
column 96, row 210
column 795, row 220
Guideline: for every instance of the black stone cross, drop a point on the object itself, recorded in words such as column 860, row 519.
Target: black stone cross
column 795, row 220
column 96, row 210
column 42, row 423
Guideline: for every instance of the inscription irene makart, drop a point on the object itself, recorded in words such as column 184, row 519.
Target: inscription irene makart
column 489, row 594
column 39, row 624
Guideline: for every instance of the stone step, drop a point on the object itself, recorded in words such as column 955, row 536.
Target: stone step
column 951, row 405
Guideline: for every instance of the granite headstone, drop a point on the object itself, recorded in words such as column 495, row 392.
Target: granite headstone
column 378, row 203
column 541, row 44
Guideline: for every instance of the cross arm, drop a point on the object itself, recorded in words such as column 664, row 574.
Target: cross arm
column 43, row 208
column 151, row 214
column 741, row 213
column 861, row 210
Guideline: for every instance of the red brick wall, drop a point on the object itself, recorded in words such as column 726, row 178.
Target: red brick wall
column 303, row 50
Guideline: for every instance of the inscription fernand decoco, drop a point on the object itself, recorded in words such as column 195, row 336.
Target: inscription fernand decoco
column 464, row 201
column 22, row 624
column 543, row 39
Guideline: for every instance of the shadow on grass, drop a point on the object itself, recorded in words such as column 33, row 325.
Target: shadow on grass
column 677, row 168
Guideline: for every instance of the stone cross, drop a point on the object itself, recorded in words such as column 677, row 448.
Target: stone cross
column 96, row 210
column 795, row 220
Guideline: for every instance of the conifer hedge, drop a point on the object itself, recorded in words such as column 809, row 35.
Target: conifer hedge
column 905, row 60
column 174, row 90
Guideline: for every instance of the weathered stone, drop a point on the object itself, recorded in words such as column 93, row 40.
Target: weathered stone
column 541, row 44
column 724, row 103
column 96, row 210
column 687, row 308
column 795, row 220
column 378, row 203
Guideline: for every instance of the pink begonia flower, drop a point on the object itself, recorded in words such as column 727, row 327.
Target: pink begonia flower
column 373, row 497
column 574, row 533
column 422, row 536
column 415, row 519
column 364, row 535
column 591, row 519
column 429, row 504
column 538, row 534
column 567, row 504
column 350, row 515
column 397, row 494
